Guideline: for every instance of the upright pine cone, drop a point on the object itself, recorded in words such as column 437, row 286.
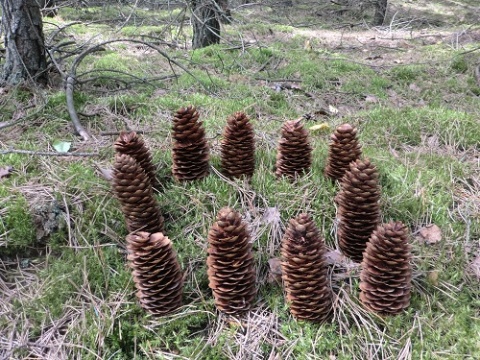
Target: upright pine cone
column 231, row 271
column 358, row 208
column 386, row 276
column 294, row 153
column 304, row 271
column 156, row 272
column 130, row 143
column 190, row 150
column 344, row 148
column 238, row 147
column 133, row 189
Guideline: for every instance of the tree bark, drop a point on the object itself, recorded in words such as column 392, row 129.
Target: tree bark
column 24, row 43
column 380, row 12
column 205, row 23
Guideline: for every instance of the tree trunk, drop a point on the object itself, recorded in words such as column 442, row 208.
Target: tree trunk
column 205, row 23
column 380, row 12
column 24, row 42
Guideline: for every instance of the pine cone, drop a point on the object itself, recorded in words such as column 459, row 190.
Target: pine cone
column 386, row 276
column 238, row 147
column 190, row 150
column 344, row 148
column 304, row 271
column 156, row 272
column 133, row 189
column 294, row 153
column 130, row 143
column 358, row 208
column 231, row 271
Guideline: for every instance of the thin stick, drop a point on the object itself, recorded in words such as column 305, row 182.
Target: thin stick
column 46, row 153
column 71, row 109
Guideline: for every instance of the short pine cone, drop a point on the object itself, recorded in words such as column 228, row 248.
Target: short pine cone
column 344, row 148
column 358, row 208
column 133, row 189
column 190, row 151
column 231, row 271
column 386, row 276
column 304, row 271
column 156, row 272
column 294, row 153
column 238, row 147
column 130, row 143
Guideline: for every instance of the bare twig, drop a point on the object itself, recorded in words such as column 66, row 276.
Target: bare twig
column 47, row 153
column 71, row 109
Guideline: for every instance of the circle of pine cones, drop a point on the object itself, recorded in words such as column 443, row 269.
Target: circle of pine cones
column 238, row 147
column 344, row 148
column 304, row 271
column 231, row 271
column 358, row 208
column 294, row 153
column 385, row 279
column 156, row 272
column 190, row 151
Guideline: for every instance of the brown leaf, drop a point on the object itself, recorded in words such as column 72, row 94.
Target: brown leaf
column 107, row 174
column 5, row 172
column 474, row 267
column 335, row 257
column 275, row 274
column 430, row 234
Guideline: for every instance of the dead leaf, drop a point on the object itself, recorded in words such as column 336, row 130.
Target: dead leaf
column 371, row 99
column 323, row 127
column 432, row 277
column 275, row 274
column 335, row 257
column 430, row 234
column 474, row 267
column 414, row 87
column 5, row 172
column 107, row 174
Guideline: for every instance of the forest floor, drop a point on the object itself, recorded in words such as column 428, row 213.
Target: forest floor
column 411, row 87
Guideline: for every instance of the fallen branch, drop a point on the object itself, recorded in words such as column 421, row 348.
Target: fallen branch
column 71, row 109
column 46, row 153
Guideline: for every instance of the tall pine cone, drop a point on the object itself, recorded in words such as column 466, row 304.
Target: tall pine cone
column 133, row 189
column 130, row 143
column 344, row 148
column 231, row 271
column 156, row 272
column 190, row 150
column 294, row 153
column 304, row 271
column 386, row 276
column 358, row 208
column 238, row 147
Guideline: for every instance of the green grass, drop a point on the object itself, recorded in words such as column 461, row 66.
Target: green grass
column 73, row 291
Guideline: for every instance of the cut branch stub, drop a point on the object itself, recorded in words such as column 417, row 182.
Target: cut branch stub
column 231, row 271
column 190, row 151
column 344, row 148
column 156, row 272
column 304, row 271
column 134, row 191
column 130, row 143
column 385, row 279
column 238, row 147
column 358, row 208
column 294, row 152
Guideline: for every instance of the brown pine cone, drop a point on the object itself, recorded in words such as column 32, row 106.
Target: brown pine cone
column 156, row 272
column 238, row 147
column 190, row 151
column 130, row 143
column 358, row 208
column 294, row 152
column 304, row 271
column 344, row 148
column 133, row 189
column 231, row 271
column 386, row 276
